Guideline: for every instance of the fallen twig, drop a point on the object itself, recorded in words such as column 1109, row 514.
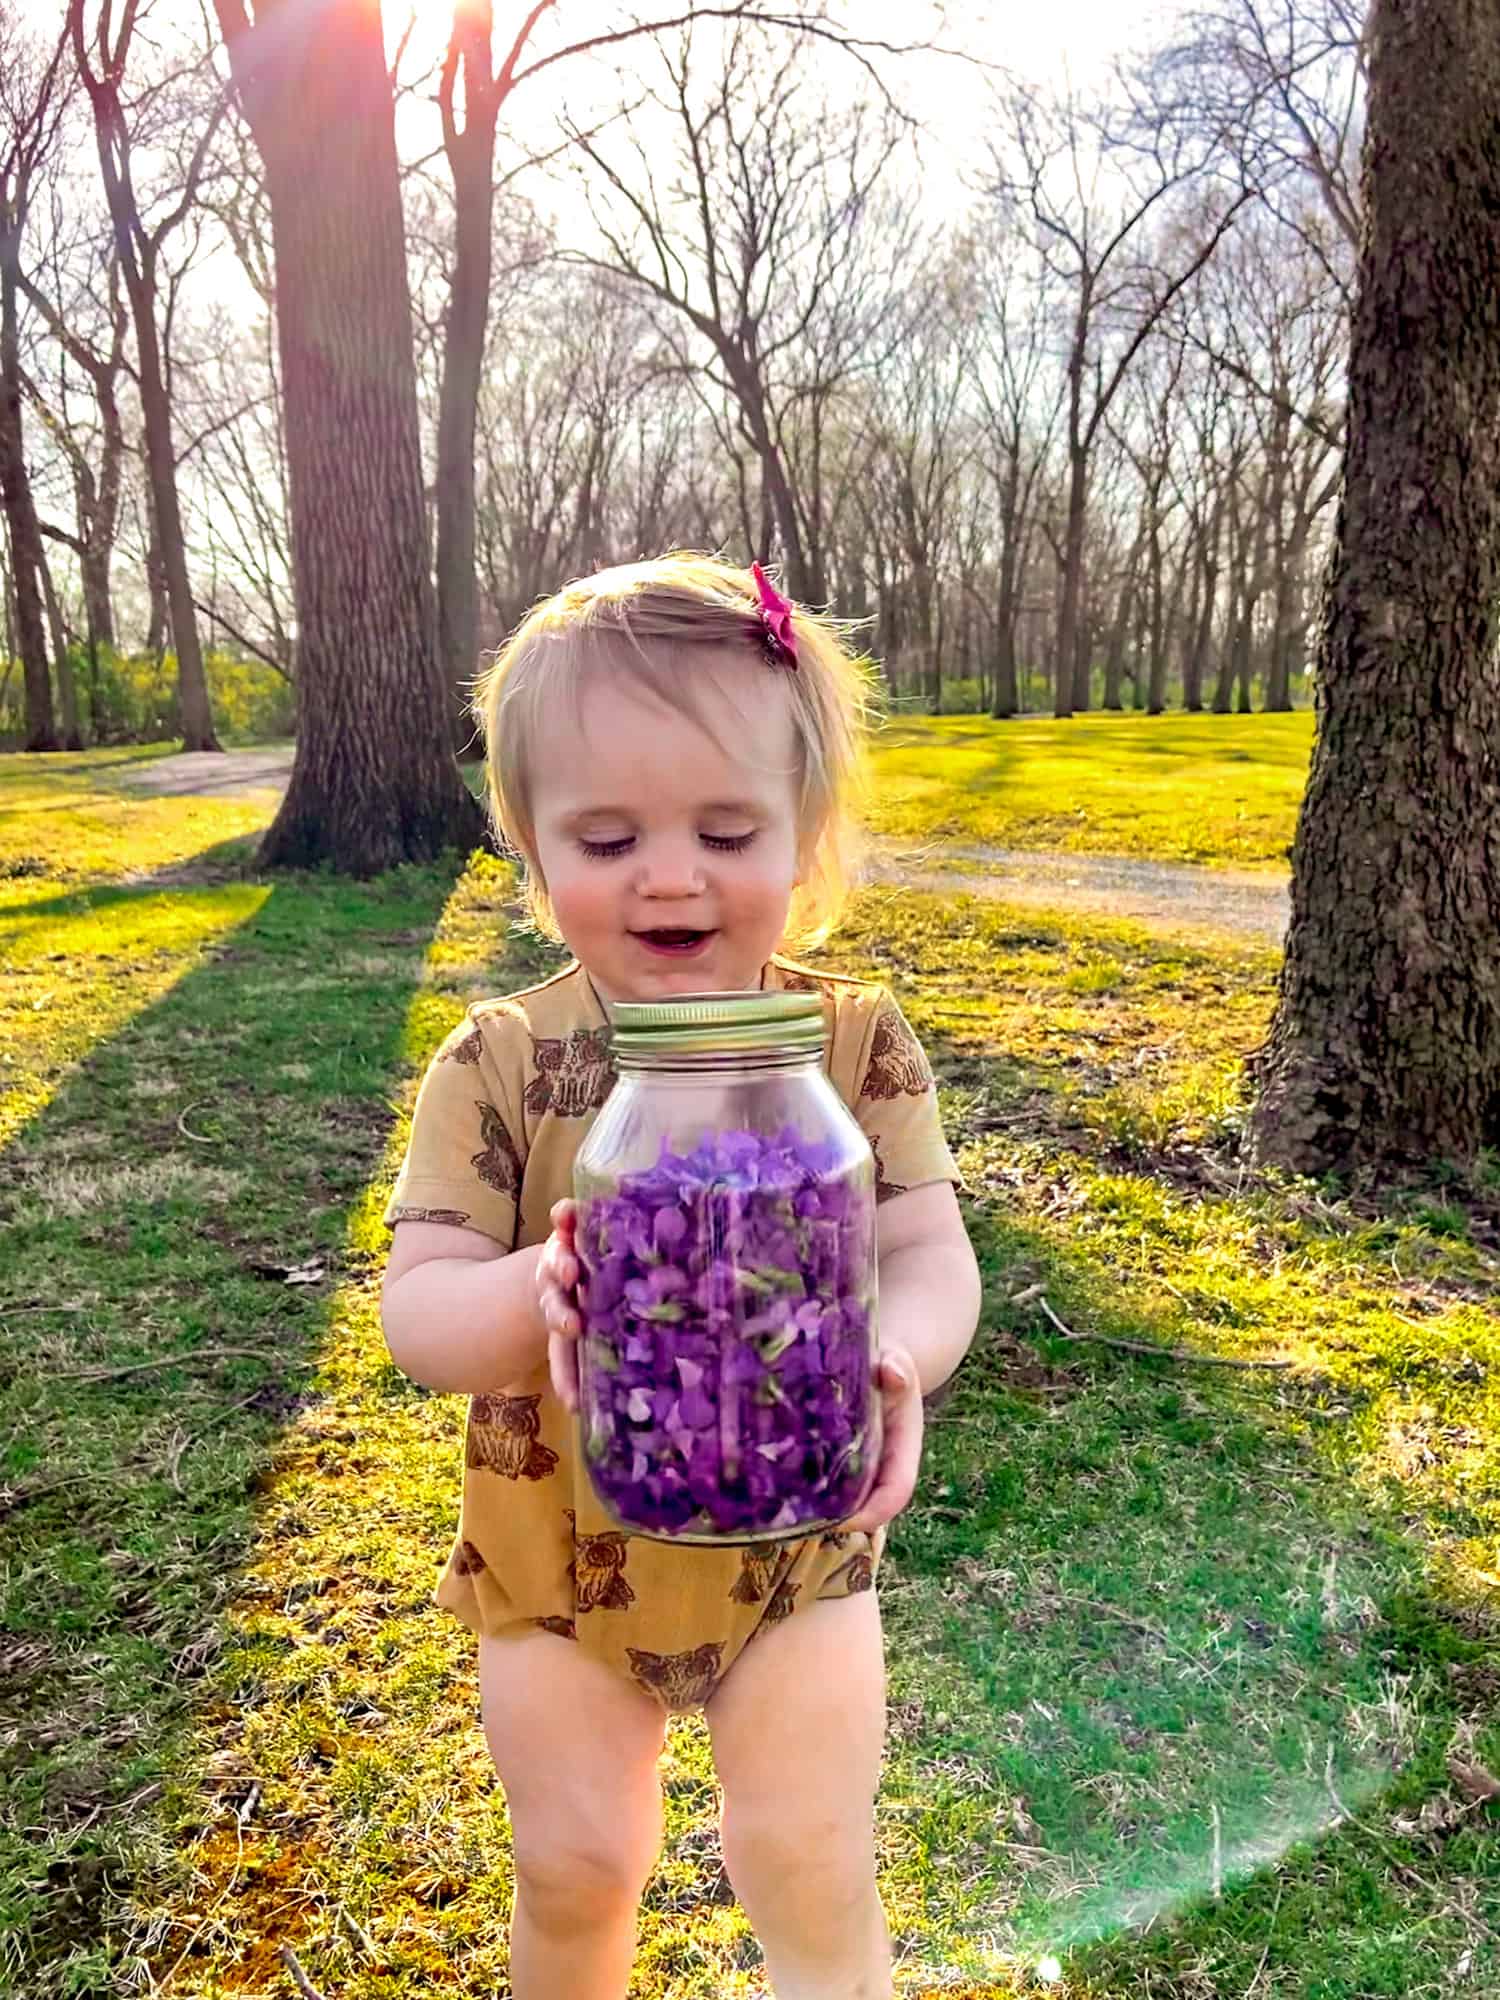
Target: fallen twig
column 303, row 1984
column 357, row 1931
column 201, row 1137
column 1152, row 1347
column 162, row 1361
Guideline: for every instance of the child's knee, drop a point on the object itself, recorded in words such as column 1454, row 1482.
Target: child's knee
column 816, row 1858
column 578, row 1871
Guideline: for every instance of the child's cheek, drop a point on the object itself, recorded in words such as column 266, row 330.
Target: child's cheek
column 584, row 904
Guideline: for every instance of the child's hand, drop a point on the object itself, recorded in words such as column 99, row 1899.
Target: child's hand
column 901, row 1447
column 557, row 1295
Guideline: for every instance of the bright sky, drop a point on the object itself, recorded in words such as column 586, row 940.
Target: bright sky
column 1047, row 40
column 1057, row 38
column 1053, row 41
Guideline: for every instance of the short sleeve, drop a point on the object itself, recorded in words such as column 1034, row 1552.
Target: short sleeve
column 463, row 1162
column 896, row 1104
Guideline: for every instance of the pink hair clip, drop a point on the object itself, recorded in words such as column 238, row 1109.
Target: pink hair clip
column 776, row 616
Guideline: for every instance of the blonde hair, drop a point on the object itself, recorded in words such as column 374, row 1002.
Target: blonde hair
column 644, row 621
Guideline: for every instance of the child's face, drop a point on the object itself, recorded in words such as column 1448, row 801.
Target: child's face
column 670, row 857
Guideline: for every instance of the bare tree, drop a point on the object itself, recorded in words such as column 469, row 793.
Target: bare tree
column 752, row 248
column 1019, row 400
column 76, row 294
column 915, row 451
column 31, row 100
column 1385, row 1046
column 1276, row 88
column 101, row 61
column 1118, row 285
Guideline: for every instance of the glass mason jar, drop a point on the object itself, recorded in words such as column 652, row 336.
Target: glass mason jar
column 726, row 1239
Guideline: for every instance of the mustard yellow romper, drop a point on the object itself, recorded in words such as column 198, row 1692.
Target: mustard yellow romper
column 502, row 1110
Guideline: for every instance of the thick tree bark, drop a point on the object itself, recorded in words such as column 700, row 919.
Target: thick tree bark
column 375, row 782
column 1386, row 1042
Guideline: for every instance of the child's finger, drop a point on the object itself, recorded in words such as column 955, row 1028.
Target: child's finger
column 901, row 1449
column 557, row 1311
column 564, row 1218
column 562, row 1362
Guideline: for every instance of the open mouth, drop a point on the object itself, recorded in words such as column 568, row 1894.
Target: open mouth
column 674, row 943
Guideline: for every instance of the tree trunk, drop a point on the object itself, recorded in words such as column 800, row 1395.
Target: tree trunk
column 194, row 714
column 1385, row 1046
column 98, row 604
column 375, row 782
column 158, row 617
column 1007, row 698
column 1083, row 656
column 99, row 500
column 1114, row 659
column 1238, row 595
column 1072, row 581
column 1007, row 695
column 1202, row 636
column 66, row 686
column 20, row 519
column 1156, row 697
column 1289, row 629
column 471, row 154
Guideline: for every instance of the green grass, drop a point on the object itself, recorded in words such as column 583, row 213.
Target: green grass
column 1217, row 789
column 1179, row 1652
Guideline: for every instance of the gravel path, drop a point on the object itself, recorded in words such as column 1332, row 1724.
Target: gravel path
column 1163, row 893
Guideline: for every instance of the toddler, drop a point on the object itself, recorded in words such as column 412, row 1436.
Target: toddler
column 673, row 749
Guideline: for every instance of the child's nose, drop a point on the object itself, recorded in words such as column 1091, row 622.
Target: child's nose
column 670, row 869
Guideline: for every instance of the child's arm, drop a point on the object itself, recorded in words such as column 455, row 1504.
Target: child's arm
column 459, row 1314
column 929, row 1281
column 929, row 1307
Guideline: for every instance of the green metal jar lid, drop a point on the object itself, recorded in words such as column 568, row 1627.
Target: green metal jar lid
column 710, row 1024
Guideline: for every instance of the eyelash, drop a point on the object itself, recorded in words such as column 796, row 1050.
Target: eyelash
column 722, row 843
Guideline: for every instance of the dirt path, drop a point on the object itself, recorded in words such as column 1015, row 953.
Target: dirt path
column 212, row 773
column 1164, row 893
column 1169, row 894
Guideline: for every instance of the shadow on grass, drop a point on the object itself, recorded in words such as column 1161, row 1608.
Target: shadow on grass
column 224, row 861
column 1158, row 1662
column 129, row 1489
column 1144, row 1633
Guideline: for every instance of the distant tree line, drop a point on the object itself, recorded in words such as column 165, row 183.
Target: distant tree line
column 1073, row 445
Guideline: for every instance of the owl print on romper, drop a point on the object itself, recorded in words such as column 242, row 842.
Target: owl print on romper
column 898, row 1066
column 574, row 1073
column 679, row 1680
column 504, row 1437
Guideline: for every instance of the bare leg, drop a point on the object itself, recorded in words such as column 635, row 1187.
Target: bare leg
column 577, row 1751
column 797, row 1730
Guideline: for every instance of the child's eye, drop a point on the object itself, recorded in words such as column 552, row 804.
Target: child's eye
column 606, row 850
column 728, row 843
